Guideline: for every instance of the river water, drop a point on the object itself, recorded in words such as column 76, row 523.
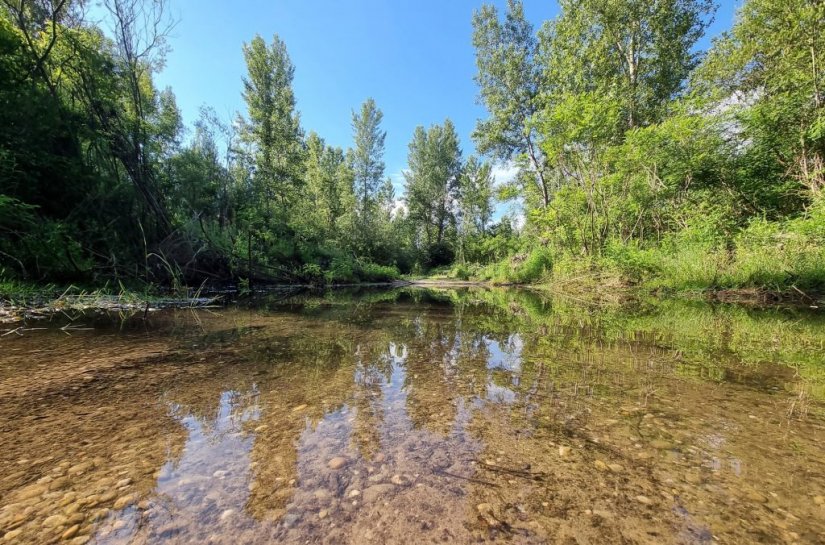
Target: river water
column 416, row 416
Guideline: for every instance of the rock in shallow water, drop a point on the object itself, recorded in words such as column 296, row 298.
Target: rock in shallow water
column 376, row 491
column 71, row 532
column 337, row 463
column 54, row 521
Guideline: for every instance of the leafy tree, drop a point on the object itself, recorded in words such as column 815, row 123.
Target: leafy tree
column 638, row 51
column 509, row 79
column 367, row 162
column 432, row 184
column 769, row 71
column 275, row 140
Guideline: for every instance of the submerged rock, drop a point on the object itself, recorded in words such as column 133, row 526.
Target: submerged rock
column 71, row 532
column 337, row 463
column 376, row 491
column 485, row 512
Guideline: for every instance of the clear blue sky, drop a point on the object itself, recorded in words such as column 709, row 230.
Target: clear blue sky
column 415, row 57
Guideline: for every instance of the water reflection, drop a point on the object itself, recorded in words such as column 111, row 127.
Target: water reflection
column 417, row 416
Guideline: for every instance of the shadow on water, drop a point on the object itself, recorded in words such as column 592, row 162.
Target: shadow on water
column 413, row 415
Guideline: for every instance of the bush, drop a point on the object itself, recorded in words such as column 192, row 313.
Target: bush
column 371, row 272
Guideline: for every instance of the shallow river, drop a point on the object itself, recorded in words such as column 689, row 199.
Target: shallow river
column 416, row 416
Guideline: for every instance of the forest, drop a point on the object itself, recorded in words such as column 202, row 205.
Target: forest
column 642, row 159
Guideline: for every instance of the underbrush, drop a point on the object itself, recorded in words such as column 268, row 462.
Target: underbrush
column 764, row 255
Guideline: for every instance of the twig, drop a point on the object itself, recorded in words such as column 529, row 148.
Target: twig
column 470, row 479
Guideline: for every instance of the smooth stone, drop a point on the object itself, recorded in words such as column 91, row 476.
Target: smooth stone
column 123, row 502
column 54, row 521
column 375, row 492
column 68, row 498
column 615, row 468
column 108, row 496
column 644, row 500
column 227, row 514
column 337, row 463
column 261, row 428
column 72, row 509
column 354, row 493
column 71, row 532
column 323, row 513
column 564, row 451
column 11, row 535
column 32, row 491
column 661, row 444
column 299, row 408
column 819, row 500
column 756, row 496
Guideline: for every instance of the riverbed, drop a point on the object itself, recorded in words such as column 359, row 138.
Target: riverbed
column 416, row 415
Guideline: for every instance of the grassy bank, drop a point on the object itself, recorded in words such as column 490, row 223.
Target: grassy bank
column 762, row 258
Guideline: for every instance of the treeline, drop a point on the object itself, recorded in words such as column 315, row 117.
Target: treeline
column 647, row 160
column 99, row 179
column 641, row 158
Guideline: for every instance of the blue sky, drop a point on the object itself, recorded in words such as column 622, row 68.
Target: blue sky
column 415, row 57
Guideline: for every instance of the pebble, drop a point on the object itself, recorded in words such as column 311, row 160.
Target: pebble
column 337, row 463
column 227, row 514
column 54, row 521
column 123, row 501
column 32, row 491
column 601, row 466
column 752, row 495
column 661, row 444
column 354, row 493
column 323, row 513
column 615, row 468
column 71, row 532
column 400, row 480
column 485, row 510
column 12, row 534
column 299, row 408
column 819, row 500
column 644, row 500
column 376, row 491
column 564, row 451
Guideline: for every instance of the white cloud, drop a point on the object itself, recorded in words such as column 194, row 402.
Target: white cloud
column 399, row 208
column 505, row 172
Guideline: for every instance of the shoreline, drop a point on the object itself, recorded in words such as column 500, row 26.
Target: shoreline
column 39, row 302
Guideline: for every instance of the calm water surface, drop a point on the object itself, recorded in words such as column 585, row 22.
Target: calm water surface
column 413, row 416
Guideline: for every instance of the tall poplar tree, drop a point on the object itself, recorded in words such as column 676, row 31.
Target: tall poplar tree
column 367, row 160
column 274, row 134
